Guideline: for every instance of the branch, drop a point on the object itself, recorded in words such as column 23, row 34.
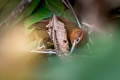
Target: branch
column 16, row 12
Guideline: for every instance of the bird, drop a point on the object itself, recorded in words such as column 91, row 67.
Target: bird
column 74, row 33
column 39, row 34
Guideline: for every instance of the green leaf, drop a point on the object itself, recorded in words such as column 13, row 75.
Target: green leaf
column 42, row 13
column 28, row 10
column 55, row 6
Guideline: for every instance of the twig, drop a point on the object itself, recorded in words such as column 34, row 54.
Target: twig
column 72, row 10
column 47, row 51
column 16, row 12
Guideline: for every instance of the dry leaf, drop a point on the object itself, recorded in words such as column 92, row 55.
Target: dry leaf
column 58, row 34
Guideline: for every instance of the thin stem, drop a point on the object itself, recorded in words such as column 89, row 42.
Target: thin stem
column 72, row 10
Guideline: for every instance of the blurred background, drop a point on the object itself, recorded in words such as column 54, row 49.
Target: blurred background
column 98, row 61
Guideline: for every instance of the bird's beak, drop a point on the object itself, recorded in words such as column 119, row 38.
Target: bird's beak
column 75, row 42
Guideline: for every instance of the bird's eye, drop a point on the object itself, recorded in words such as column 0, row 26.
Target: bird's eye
column 78, row 39
column 64, row 41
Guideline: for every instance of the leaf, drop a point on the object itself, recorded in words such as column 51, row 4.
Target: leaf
column 68, row 15
column 58, row 34
column 55, row 6
column 28, row 10
column 41, row 14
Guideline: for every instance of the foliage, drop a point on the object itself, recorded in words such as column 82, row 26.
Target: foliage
column 98, row 62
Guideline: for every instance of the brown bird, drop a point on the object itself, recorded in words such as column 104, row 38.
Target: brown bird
column 73, row 31
column 39, row 34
